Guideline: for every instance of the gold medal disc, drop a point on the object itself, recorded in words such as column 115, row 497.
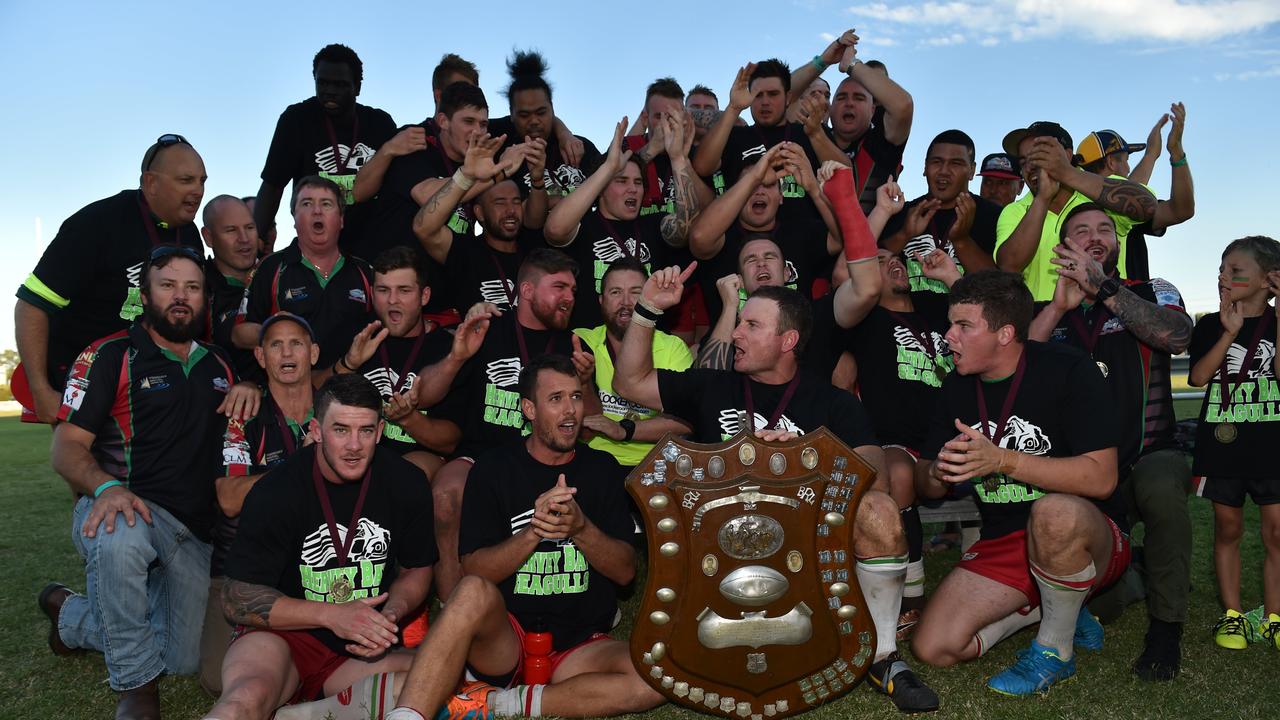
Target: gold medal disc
column 1225, row 433
column 341, row 589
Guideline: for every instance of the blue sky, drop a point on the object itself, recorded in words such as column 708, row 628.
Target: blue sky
column 93, row 84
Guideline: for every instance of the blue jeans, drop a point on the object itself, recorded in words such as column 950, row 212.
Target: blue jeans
column 145, row 601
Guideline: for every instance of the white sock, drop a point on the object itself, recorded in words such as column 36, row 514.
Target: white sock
column 368, row 697
column 881, row 579
column 988, row 636
column 914, row 587
column 1061, row 597
column 403, row 713
column 519, row 701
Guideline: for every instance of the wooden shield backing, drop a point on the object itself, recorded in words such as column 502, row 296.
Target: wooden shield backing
column 751, row 608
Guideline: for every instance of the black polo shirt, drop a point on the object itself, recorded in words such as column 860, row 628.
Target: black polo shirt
column 225, row 295
column 302, row 145
column 336, row 308
column 154, row 419
column 88, row 278
column 874, row 160
column 252, row 447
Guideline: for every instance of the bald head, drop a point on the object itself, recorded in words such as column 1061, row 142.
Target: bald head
column 173, row 183
column 231, row 234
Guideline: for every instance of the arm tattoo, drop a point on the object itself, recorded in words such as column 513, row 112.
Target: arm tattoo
column 1158, row 327
column 248, row 604
column 433, row 203
column 715, row 354
column 675, row 227
column 1127, row 198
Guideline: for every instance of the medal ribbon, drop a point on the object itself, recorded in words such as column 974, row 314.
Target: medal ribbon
column 507, row 288
column 408, row 362
column 524, row 350
column 1089, row 335
column 1227, row 390
column 333, row 140
column 777, row 411
column 340, row 548
column 1007, row 409
column 286, row 433
column 617, row 240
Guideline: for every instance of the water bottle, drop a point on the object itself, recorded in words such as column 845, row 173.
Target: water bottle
column 537, row 654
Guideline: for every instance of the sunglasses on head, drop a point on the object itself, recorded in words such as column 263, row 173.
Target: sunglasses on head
column 164, row 141
column 164, row 251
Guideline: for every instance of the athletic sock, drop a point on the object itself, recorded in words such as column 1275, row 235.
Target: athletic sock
column 368, row 697
column 519, row 701
column 1061, row 597
column 403, row 713
column 915, row 555
column 881, row 579
column 988, row 636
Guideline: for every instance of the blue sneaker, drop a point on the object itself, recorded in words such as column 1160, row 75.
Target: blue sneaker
column 1037, row 669
column 1089, row 632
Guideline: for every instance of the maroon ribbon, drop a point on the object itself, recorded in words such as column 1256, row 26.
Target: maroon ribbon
column 777, row 411
column 1227, row 390
column 333, row 140
column 408, row 363
column 340, row 548
column 1089, row 335
column 1007, row 409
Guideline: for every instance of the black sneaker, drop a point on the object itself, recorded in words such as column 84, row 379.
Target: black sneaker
column 1161, row 657
column 908, row 692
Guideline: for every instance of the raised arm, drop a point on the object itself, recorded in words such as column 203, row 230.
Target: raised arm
column 899, row 108
column 563, row 221
column 707, row 159
column 431, row 223
column 706, row 235
column 716, row 352
column 634, row 377
column 856, row 296
column 1141, row 172
column 1017, row 251
column 434, row 381
column 1122, row 196
column 1182, row 197
column 369, row 179
column 678, row 139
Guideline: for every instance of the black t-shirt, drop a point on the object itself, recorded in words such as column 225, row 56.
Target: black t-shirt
column 1062, row 410
column 902, row 360
column 336, row 308
column 303, row 144
column 711, row 400
column 489, row 399
column 87, row 279
column 601, row 241
column 252, row 447
column 983, row 233
column 154, row 419
column 804, row 248
column 395, row 208
column 476, row 272
column 1255, row 406
column 1127, row 361
column 398, row 370
column 560, row 177
column 284, row 541
column 225, row 295
column 826, row 342
column 555, row 585
column 874, row 160
column 747, row 144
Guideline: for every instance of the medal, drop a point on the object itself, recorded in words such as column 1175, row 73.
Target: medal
column 991, row 482
column 1103, row 367
column 1225, row 433
column 341, row 589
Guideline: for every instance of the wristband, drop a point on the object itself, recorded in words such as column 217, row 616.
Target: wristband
column 462, row 181
column 343, row 362
column 818, row 64
column 106, row 486
column 1180, row 162
column 646, row 314
column 628, row 429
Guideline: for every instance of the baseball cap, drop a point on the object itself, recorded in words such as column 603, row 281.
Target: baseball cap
column 1040, row 128
column 1000, row 165
column 1097, row 145
column 285, row 315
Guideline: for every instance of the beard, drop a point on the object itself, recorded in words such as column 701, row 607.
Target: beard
column 180, row 332
column 553, row 440
column 1111, row 262
column 546, row 314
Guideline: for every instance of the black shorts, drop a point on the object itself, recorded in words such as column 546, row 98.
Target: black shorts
column 1232, row 491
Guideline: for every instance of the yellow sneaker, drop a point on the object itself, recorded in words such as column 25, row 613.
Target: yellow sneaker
column 1229, row 633
column 1271, row 630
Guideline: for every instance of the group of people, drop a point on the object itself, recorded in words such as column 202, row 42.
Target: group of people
column 438, row 387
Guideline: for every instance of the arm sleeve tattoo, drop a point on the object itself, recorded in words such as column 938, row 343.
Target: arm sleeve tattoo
column 675, row 227
column 433, row 203
column 1127, row 198
column 248, row 604
column 715, row 354
column 1157, row 327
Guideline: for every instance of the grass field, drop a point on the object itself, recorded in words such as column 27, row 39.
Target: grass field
column 35, row 547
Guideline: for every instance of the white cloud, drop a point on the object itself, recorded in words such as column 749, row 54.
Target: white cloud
column 827, row 37
column 1195, row 21
column 1273, row 71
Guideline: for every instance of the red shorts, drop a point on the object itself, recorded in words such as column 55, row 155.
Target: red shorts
column 516, row 675
column 314, row 660
column 1004, row 559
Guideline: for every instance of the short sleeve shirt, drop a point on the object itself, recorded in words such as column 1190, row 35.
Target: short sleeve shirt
column 154, row 419
column 284, row 541
column 556, row 584
column 983, row 234
column 598, row 243
column 397, row 371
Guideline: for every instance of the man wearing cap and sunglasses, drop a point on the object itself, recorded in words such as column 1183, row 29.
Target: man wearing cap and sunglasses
column 1028, row 228
column 1001, row 179
column 139, row 436
column 86, row 284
